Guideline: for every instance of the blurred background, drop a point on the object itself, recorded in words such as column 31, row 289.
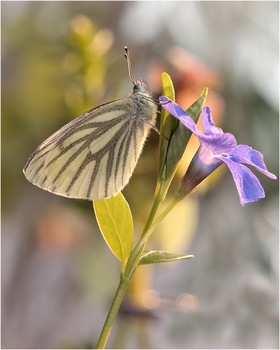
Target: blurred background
column 60, row 59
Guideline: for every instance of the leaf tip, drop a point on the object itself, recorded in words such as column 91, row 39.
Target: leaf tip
column 165, row 75
column 204, row 92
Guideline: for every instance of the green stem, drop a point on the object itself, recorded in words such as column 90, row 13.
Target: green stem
column 137, row 251
column 133, row 259
column 146, row 234
column 124, row 283
column 131, row 267
column 152, row 214
column 159, row 197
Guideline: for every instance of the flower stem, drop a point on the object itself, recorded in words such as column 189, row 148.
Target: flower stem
column 124, row 283
column 131, row 267
column 152, row 214
column 135, row 255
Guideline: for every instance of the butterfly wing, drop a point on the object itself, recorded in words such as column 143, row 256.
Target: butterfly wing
column 93, row 156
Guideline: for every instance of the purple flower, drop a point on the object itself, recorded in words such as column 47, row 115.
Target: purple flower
column 216, row 148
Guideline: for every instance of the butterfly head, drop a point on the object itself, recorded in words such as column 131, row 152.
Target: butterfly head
column 141, row 87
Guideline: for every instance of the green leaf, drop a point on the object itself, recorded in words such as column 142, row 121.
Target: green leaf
column 114, row 219
column 181, row 136
column 167, row 123
column 158, row 256
column 178, row 135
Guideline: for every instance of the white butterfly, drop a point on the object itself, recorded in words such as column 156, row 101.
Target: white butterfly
column 93, row 156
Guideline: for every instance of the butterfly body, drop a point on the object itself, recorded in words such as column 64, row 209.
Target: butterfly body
column 93, row 156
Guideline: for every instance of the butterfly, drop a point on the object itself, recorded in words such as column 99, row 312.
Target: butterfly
column 93, row 156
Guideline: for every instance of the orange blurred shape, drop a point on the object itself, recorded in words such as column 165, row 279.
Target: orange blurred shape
column 192, row 71
column 190, row 76
column 150, row 299
column 58, row 231
column 187, row 303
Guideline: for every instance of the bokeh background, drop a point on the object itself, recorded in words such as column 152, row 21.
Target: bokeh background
column 60, row 59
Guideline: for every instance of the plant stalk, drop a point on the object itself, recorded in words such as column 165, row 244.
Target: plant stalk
column 153, row 211
column 124, row 283
column 131, row 267
column 135, row 255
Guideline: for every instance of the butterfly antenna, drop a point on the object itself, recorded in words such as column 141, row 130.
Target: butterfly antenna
column 126, row 55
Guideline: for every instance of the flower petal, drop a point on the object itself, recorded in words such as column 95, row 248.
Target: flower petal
column 247, row 155
column 247, row 184
column 201, row 166
column 219, row 143
column 177, row 112
column 217, row 146
column 208, row 124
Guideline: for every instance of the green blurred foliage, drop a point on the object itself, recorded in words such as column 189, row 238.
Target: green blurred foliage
column 47, row 83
